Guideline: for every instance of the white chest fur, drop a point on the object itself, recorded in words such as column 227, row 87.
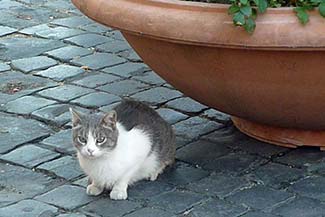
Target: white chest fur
column 132, row 157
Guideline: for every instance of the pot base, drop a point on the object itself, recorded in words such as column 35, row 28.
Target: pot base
column 290, row 138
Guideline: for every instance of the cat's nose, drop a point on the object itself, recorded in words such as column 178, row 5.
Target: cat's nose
column 90, row 151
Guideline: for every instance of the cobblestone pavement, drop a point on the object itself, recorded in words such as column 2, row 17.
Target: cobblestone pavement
column 52, row 57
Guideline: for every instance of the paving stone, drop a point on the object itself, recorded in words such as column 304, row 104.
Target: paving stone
column 68, row 53
column 201, row 152
column 58, row 113
column 61, row 142
column 8, row 4
column 113, row 46
column 144, row 190
column 195, row 127
column 98, row 60
column 117, row 35
column 109, row 108
column 15, row 84
column 186, row 104
column 110, row 208
column 127, row 69
column 216, row 207
column 217, row 116
column 259, row 197
column 28, row 208
column 157, row 95
column 66, row 167
column 219, row 185
column 150, row 78
column 229, row 135
column 17, row 48
column 5, row 30
column 96, row 28
column 4, row 67
column 131, row 55
column 124, row 87
column 185, row 200
column 70, row 197
column 10, row 19
column 65, row 92
column 96, row 99
column 83, row 182
column 88, row 40
column 301, row 207
column 233, row 163
column 62, row 5
column 258, row 214
column 182, row 174
column 96, row 80
column 72, row 215
column 27, row 65
column 47, row 31
column 312, row 187
column 277, row 175
column 302, row 157
column 27, row 104
column 61, row 72
column 29, row 155
column 72, row 22
column 15, row 131
column 171, row 116
column 18, row 183
column 150, row 212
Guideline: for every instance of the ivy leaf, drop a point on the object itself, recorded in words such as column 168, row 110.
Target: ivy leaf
column 250, row 25
column 246, row 10
column 321, row 9
column 302, row 15
column 262, row 5
column 239, row 19
column 233, row 9
column 257, row 2
column 315, row 2
column 254, row 13
column 244, row 2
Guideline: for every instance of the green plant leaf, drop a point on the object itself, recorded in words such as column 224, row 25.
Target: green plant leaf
column 244, row 2
column 250, row 25
column 246, row 10
column 262, row 6
column 315, row 2
column 302, row 15
column 233, row 9
column 321, row 9
column 257, row 2
column 254, row 13
column 239, row 19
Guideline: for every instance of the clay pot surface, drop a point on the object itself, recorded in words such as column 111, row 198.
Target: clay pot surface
column 275, row 76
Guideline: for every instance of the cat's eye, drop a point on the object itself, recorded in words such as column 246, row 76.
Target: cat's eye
column 101, row 140
column 82, row 140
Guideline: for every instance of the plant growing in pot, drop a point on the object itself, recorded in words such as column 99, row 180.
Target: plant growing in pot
column 271, row 81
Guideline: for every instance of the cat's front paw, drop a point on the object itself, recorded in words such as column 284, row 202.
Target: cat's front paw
column 118, row 194
column 94, row 190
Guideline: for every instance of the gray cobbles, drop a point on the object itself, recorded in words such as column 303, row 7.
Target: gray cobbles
column 65, row 93
column 216, row 115
column 127, row 69
column 72, row 21
column 27, row 104
column 150, row 78
column 157, row 95
column 186, row 104
column 310, row 187
column 113, row 46
column 29, row 156
column 16, row 131
column 124, row 88
column 33, row 63
column 171, row 116
column 148, row 212
column 28, row 208
column 61, row 72
column 70, row 197
column 96, row 80
column 61, row 142
column 96, row 99
column 5, row 30
column 110, row 208
column 4, row 67
column 98, row 60
column 87, row 40
column 66, row 167
column 144, row 190
column 69, row 52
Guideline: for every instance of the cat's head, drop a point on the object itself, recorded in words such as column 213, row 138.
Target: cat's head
column 94, row 134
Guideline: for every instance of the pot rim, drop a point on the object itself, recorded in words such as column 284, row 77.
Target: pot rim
column 207, row 24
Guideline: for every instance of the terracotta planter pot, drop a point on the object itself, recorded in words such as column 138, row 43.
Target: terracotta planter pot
column 273, row 79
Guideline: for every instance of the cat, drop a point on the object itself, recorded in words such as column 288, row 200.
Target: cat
column 128, row 144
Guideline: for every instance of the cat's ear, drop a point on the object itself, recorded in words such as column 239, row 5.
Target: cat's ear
column 109, row 120
column 76, row 117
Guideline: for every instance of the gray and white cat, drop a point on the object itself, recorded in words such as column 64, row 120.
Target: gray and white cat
column 126, row 145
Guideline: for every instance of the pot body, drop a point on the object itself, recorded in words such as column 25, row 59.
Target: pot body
column 275, row 76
